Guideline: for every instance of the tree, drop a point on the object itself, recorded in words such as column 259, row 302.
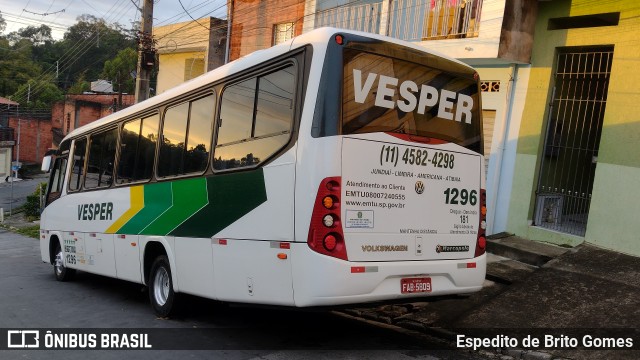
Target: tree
column 38, row 35
column 16, row 65
column 81, row 85
column 3, row 24
column 119, row 71
column 97, row 42
column 41, row 94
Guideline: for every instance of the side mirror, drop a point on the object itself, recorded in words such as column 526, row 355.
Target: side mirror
column 46, row 163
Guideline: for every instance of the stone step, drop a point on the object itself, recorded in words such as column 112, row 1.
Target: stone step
column 526, row 251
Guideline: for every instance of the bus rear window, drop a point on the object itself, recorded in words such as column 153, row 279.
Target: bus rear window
column 385, row 94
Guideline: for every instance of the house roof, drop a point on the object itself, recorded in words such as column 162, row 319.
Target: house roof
column 5, row 101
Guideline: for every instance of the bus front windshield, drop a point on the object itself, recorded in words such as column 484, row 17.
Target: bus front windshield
column 387, row 94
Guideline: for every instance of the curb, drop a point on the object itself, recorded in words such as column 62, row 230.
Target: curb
column 517, row 254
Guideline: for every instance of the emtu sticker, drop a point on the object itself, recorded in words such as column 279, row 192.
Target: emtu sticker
column 359, row 219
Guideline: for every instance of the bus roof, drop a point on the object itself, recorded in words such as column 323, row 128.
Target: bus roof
column 317, row 36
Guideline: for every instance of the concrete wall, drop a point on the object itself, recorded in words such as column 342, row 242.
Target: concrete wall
column 508, row 104
column 5, row 162
column 172, row 68
column 203, row 39
column 615, row 203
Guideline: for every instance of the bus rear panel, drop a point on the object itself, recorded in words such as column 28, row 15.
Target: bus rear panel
column 403, row 213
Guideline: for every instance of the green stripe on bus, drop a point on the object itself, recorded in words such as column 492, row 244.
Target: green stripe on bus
column 189, row 196
column 157, row 199
column 231, row 196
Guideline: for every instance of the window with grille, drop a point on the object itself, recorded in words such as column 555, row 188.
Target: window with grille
column 283, row 32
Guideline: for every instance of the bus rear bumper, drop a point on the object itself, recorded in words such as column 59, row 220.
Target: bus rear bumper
column 321, row 280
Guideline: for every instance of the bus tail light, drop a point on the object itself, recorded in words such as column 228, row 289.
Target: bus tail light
column 325, row 232
column 481, row 243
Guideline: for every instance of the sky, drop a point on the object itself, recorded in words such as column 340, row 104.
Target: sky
column 61, row 14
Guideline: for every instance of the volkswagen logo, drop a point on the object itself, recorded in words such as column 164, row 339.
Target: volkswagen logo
column 419, row 187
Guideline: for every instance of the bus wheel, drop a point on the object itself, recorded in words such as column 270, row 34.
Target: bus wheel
column 161, row 292
column 62, row 272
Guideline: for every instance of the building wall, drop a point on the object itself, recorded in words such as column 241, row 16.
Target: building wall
column 501, row 135
column 202, row 39
column 5, row 161
column 89, row 107
column 34, row 140
column 253, row 21
column 174, row 66
column 615, row 198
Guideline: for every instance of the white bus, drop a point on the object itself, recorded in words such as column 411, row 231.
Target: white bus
column 341, row 167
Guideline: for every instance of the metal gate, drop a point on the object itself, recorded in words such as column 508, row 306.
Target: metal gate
column 570, row 153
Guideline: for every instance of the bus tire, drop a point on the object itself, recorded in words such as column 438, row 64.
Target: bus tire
column 161, row 294
column 61, row 272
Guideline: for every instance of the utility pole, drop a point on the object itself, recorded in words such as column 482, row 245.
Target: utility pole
column 146, row 53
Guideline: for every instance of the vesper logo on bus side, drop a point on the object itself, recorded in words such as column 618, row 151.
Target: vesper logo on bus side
column 411, row 96
column 97, row 211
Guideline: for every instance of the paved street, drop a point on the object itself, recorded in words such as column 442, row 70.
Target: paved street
column 14, row 194
column 31, row 298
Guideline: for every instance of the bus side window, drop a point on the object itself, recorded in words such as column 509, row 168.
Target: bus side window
column 77, row 163
column 137, row 149
column 101, row 158
column 57, row 180
column 186, row 137
column 255, row 124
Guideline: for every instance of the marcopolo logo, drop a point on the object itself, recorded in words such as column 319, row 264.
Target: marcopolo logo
column 451, row 248
column 419, row 187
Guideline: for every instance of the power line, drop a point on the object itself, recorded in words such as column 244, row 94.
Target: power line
column 185, row 10
column 73, row 54
column 45, row 13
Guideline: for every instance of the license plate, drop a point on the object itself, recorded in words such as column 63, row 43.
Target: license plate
column 415, row 285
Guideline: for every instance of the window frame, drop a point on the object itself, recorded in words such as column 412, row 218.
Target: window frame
column 189, row 99
column 300, row 58
column 72, row 152
column 89, row 137
column 121, row 125
column 276, row 32
column 295, row 116
column 52, row 196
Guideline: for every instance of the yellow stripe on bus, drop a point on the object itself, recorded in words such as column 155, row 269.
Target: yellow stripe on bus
column 137, row 203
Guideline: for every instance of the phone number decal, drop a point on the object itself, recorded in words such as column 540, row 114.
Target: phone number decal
column 390, row 154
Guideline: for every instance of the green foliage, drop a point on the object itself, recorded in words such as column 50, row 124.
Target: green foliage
column 3, row 24
column 105, row 40
column 30, row 231
column 31, row 54
column 32, row 206
column 119, row 70
column 41, row 95
column 16, row 65
column 37, row 35
column 81, row 85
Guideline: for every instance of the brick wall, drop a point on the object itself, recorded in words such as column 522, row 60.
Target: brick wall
column 35, row 139
column 253, row 21
column 36, row 135
column 89, row 107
